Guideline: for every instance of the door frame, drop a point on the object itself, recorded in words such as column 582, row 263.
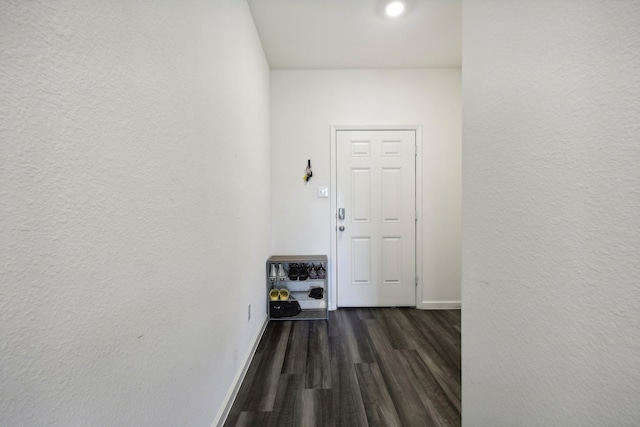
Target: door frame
column 333, row 283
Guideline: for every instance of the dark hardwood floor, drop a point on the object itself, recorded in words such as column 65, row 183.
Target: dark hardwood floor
column 376, row 367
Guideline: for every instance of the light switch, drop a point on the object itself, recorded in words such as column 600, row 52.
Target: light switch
column 323, row 191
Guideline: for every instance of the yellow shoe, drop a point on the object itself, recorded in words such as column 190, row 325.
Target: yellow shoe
column 274, row 294
column 284, row 294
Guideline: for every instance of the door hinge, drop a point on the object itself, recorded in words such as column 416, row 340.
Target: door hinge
column 416, row 281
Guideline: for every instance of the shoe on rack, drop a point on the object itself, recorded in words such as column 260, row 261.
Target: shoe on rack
column 284, row 294
column 303, row 271
column 316, row 293
column 272, row 272
column 322, row 273
column 293, row 271
column 313, row 274
column 274, row 294
column 282, row 275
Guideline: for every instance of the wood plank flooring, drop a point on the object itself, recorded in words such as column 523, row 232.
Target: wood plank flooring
column 362, row 367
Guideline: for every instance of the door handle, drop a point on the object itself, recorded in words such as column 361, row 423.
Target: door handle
column 341, row 214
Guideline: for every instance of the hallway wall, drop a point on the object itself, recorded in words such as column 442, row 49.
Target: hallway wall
column 135, row 209
column 305, row 103
column 551, row 231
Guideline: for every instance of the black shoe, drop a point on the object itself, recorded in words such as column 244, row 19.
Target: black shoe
column 316, row 293
column 293, row 271
column 303, row 271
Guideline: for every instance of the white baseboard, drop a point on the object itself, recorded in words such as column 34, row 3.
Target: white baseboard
column 237, row 381
column 440, row 305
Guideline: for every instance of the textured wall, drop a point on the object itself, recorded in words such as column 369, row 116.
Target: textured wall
column 134, row 213
column 551, row 224
column 304, row 106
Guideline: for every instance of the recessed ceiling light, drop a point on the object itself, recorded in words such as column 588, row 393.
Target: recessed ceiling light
column 395, row 8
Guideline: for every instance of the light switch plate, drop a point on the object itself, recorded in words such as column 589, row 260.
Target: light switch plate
column 323, row 191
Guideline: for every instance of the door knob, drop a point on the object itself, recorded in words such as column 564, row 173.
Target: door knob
column 341, row 228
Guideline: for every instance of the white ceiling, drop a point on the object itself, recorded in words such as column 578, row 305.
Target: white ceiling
column 316, row 34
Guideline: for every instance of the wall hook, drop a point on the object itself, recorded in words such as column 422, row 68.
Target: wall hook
column 308, row 173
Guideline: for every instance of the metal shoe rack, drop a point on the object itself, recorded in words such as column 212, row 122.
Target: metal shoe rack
column 312, row 309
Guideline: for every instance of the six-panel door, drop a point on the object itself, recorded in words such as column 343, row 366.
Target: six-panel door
column 376, row 238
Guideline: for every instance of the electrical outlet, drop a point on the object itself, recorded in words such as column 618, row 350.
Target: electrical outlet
column 248, row 312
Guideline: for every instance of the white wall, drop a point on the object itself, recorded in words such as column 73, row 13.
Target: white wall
column 304, row 104
column 551, row 224
column 134, row 220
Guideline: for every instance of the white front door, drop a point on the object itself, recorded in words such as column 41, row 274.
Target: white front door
column 375, row 195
